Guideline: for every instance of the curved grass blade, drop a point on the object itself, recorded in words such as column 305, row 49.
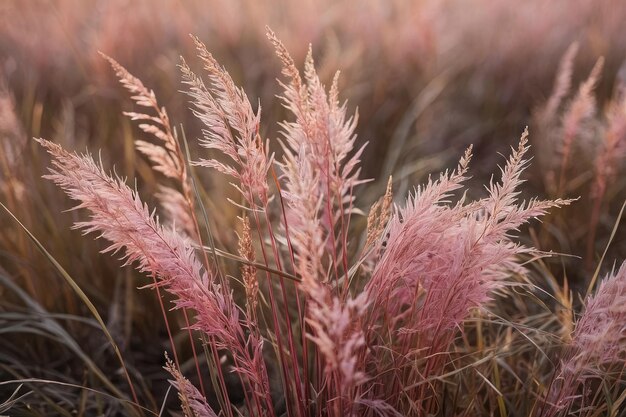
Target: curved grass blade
column 69, row 385
column 606, row 249
column 92, row 308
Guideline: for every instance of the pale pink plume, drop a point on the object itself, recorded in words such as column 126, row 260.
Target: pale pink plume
column 613, row 148
column 580, row 110
column 562, row 85
column 452, row 256
column 320, row 164
column 119, row 216
column 597, row 345
column 193, row 403
column 231, row 127
column 166, row 156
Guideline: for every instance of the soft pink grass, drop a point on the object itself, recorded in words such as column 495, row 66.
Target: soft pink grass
column 362, row 341
column 598, row 346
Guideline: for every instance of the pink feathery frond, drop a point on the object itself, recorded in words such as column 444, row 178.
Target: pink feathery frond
column 613, row 150
column 177, row 210
column 320, row 171
column 117, row 213
column 231, row 127
column 504, row 211
column 306, row 231
column 166, row 156
column 193, row 403
column 581, row 109
column 598, row 342
column 320, row 165
column 322, row 136
column 600, row 334
column 583, row 104
column 424, row 216
column 120, row 217
column 336, row 331
column 455, row 256
column 562, row 86
column 160, row 157
column 440, row 261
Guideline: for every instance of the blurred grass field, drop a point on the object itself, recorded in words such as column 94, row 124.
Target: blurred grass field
column 428, row 79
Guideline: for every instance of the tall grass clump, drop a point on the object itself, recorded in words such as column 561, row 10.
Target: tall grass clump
column 319, row 316
column 596, row 353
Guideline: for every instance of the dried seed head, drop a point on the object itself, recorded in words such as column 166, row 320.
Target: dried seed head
column 379, row 215
column 248, row 271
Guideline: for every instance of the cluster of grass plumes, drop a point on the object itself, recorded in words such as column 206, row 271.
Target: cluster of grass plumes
column 431, row 309
column 581, row 145
column 427, row 76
